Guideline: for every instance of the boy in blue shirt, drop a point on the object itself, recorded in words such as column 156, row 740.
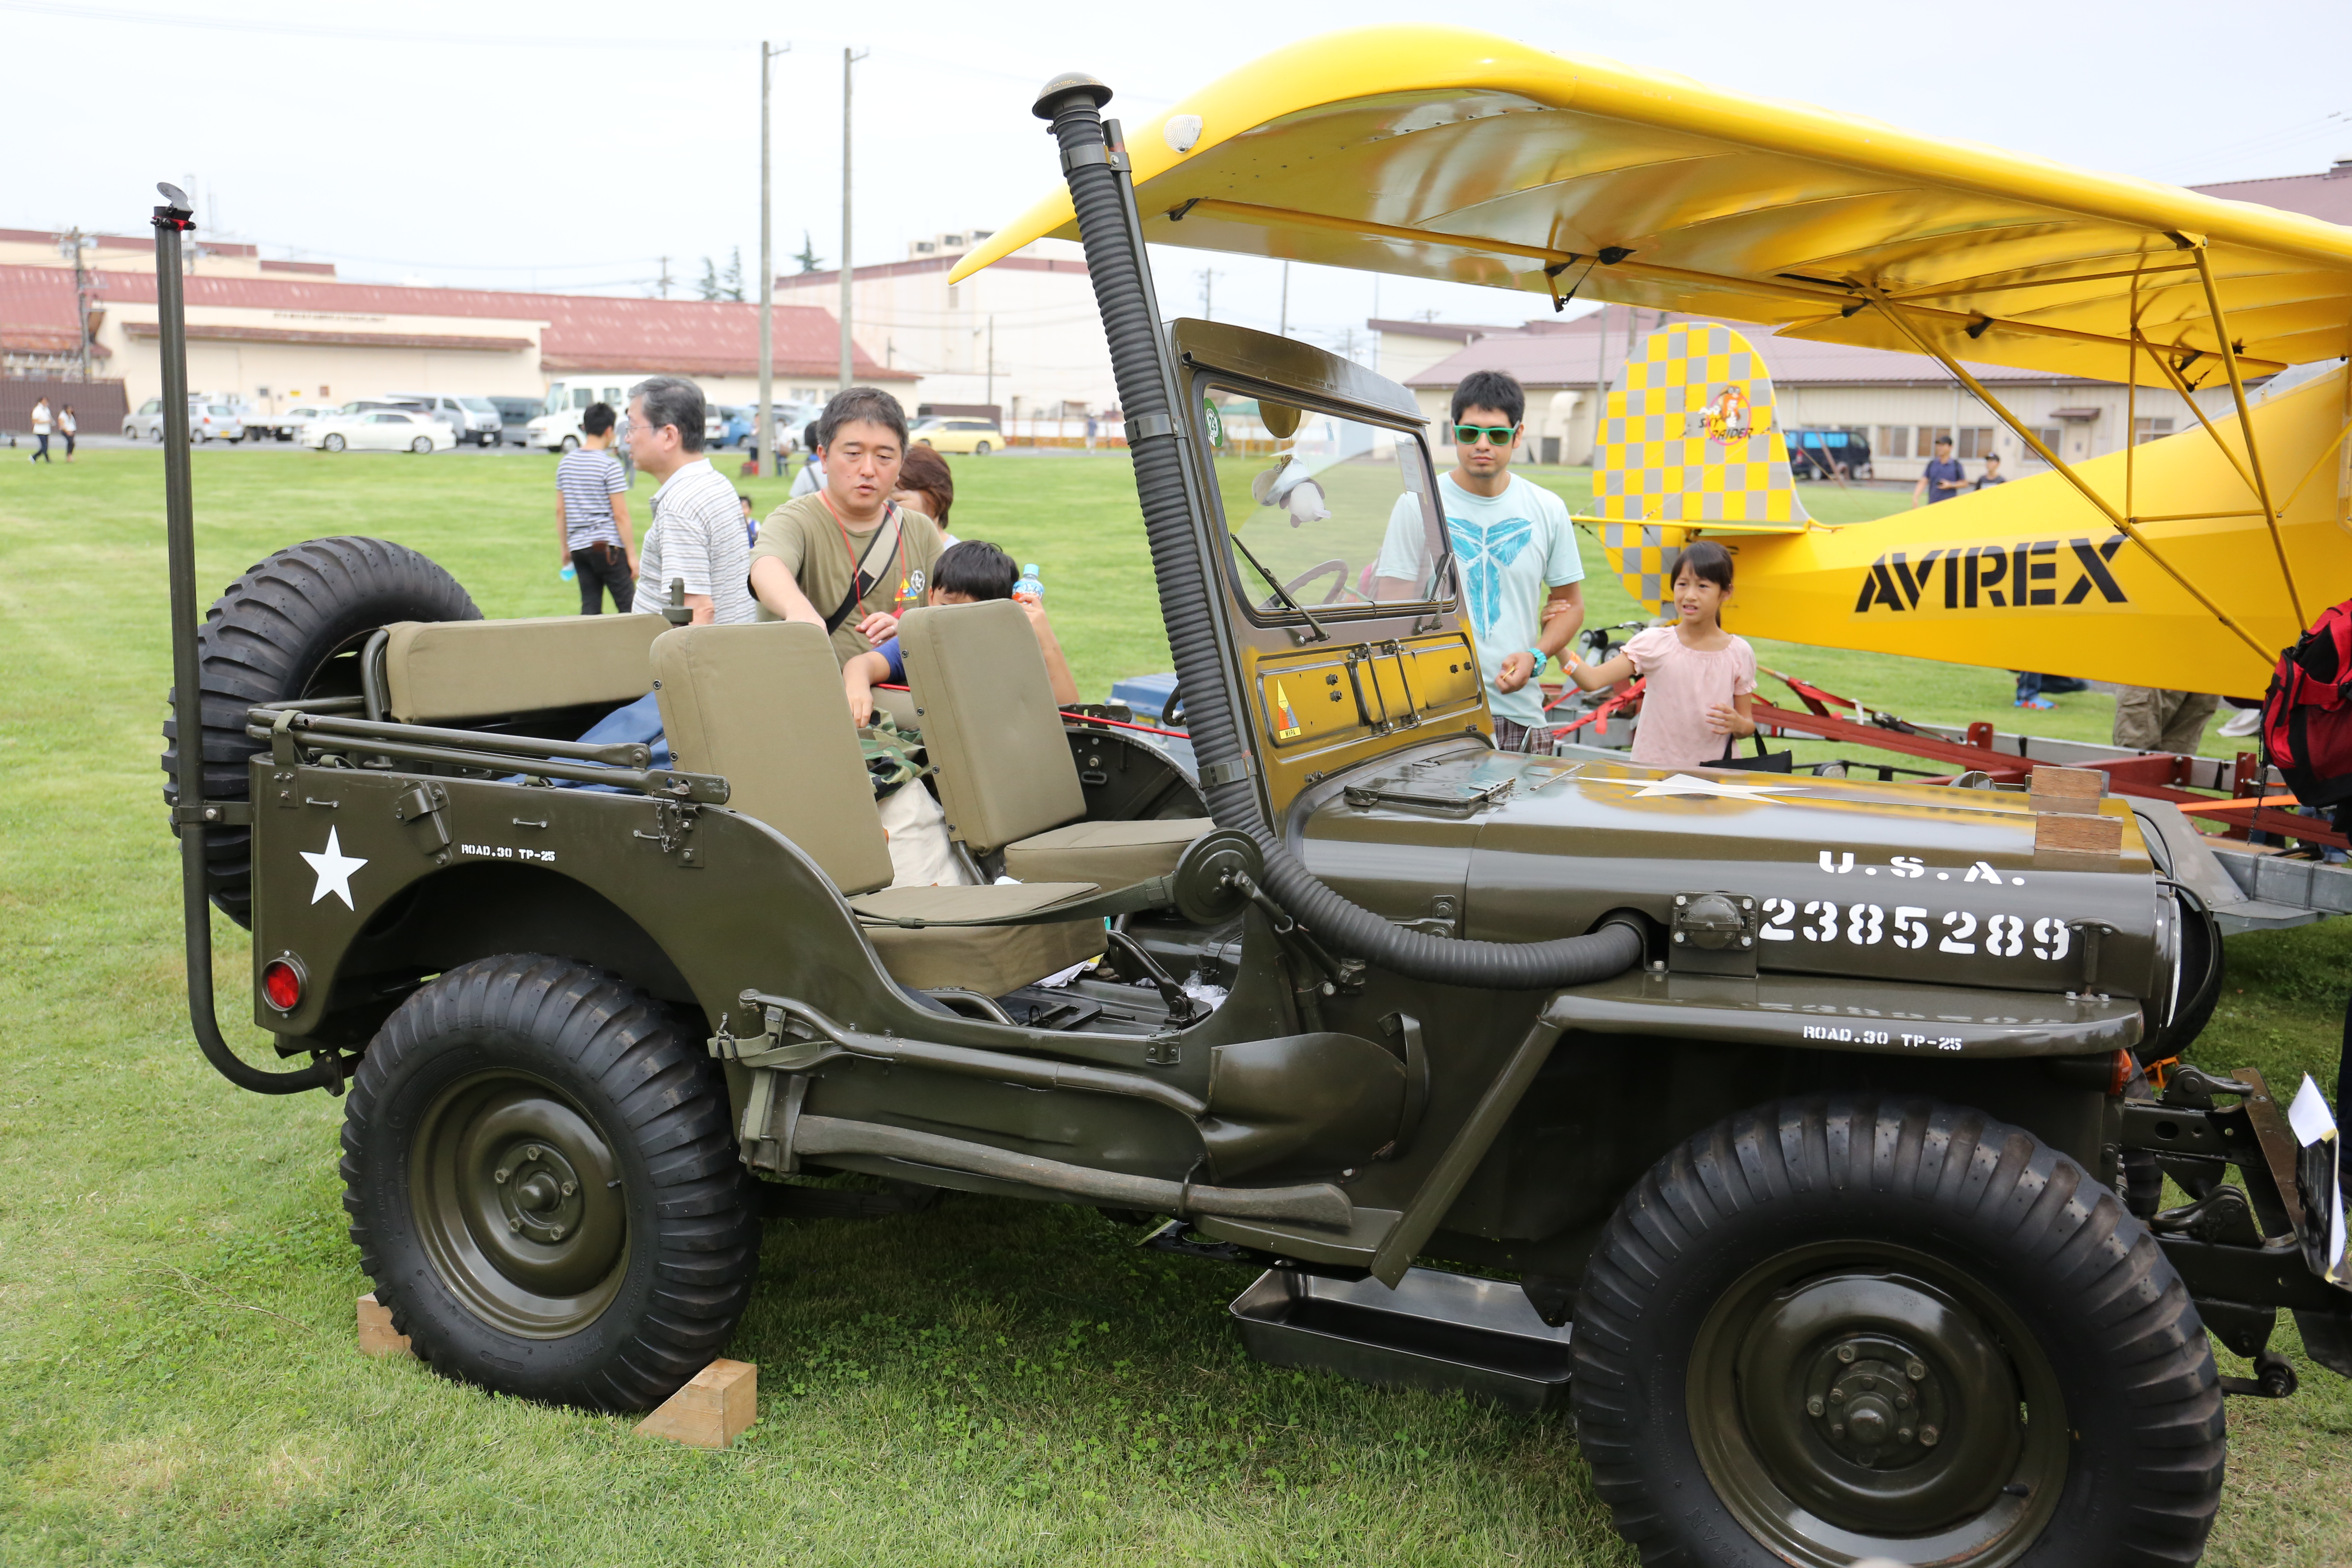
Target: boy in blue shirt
column 967, row 572
column 1515, row 549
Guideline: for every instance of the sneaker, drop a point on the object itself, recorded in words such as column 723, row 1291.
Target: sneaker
column 2041, row 704
column 2244, row 722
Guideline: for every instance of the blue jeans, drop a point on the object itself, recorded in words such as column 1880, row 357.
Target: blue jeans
column 2032, row 684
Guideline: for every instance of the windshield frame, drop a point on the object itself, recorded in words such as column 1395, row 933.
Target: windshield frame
column 1207, row 380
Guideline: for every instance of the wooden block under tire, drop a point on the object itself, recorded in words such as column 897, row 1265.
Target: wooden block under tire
column 713, row 1408
column 377, row 1336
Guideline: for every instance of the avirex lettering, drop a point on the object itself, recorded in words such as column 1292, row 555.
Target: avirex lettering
column 2024, row 575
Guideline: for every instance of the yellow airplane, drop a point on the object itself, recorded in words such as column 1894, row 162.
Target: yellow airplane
column 1441, row 153
column 1691, row 444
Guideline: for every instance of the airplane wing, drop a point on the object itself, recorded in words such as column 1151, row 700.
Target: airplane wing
column 1441, row 153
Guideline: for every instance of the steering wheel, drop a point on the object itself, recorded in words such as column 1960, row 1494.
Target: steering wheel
column 1336, row 570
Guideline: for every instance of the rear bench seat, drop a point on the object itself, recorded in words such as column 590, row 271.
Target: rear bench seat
column 763, row 706
column 985, row 706
column 449, row 672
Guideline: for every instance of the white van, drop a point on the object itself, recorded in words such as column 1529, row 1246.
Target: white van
column 568, row 397
column 471, row 419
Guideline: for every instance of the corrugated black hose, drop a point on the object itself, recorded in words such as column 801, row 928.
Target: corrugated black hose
column 1105, row 201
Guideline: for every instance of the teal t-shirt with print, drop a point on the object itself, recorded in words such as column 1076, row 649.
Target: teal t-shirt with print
column 1511, row 550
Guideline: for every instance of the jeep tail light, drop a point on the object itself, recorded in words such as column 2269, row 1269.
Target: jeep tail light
column 281, row 984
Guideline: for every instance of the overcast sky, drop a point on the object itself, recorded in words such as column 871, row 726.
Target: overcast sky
column 572, row 145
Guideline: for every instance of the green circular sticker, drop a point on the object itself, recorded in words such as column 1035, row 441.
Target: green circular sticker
column 1216, row 423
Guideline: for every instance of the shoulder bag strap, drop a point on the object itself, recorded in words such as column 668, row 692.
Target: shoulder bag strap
column 859, row 583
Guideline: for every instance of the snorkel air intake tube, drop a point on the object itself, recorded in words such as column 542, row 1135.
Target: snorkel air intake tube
column 1104, row 197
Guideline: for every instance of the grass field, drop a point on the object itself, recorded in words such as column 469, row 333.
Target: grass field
column 988, row 1383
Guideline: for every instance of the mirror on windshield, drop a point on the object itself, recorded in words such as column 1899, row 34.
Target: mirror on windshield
column 1335, row 511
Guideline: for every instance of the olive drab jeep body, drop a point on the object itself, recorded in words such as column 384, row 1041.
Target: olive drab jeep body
column 1807, row 1112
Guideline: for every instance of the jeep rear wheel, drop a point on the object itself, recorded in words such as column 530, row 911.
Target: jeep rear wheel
column 293, row 627
column 542, row 1184
column 1840, row 1328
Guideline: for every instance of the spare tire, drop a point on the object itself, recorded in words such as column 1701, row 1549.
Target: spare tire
column 293, row 627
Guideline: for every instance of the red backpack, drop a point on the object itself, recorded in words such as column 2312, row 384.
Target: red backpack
column 2307, row 716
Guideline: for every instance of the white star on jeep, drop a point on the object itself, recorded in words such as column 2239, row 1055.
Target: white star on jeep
column 334, row 868
column 1684, row 783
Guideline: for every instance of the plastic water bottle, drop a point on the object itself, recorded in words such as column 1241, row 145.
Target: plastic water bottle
column 568, row 575
column 1029, row 590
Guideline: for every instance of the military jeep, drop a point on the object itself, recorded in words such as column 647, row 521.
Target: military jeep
column 1809, row 1115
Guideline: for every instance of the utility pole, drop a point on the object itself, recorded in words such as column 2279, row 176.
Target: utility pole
column 1282, row 329
column 763, row 439
column 71, row 242
column 990, row 396
column 662, row 283
column 1208, row 278
column 848, row 58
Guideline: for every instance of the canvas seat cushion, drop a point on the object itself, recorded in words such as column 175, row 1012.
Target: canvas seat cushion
column 443, row 672
column 985, row 706
column 990, row 959
column 1107, row 854
column 763, row 705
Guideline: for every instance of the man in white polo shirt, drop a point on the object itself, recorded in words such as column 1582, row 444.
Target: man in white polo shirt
column 697, row 532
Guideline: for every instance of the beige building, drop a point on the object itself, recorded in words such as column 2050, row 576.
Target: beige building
column 1022, row 335
column 1899, row 402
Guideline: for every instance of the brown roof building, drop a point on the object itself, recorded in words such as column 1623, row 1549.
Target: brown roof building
column 271, row 336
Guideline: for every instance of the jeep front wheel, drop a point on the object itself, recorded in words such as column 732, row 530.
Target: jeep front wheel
column 541, row 1182
column 1830, row 1329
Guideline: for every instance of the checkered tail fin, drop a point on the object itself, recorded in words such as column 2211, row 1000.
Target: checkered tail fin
column 1690, row 437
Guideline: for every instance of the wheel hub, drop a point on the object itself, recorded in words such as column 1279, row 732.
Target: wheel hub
column 1831, row 1402
column 1874, row 1402
column 540, row 1198
column 1860, row 1399
column 518, row 1199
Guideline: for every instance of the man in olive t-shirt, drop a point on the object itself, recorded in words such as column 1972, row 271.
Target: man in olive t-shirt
column 810, row 547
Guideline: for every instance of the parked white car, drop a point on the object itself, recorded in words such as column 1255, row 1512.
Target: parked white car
column 286, row 424
column 379, row 430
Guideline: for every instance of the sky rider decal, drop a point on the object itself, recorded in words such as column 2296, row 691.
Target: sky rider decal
column 2025, row 574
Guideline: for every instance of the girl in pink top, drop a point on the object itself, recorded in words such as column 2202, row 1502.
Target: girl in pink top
column 1701, row 688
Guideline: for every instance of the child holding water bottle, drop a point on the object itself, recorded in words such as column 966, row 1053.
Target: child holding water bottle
column 965, row 574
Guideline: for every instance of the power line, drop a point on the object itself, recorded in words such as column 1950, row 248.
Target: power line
column 72, row 10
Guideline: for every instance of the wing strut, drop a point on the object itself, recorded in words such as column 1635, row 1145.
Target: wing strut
column 1895, row 314
column 2246, row 425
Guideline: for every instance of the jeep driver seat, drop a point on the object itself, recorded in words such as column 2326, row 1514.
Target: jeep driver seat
column 763, row 705
column 985, row 707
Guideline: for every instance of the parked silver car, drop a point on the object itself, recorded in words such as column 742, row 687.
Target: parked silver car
column 207, row 421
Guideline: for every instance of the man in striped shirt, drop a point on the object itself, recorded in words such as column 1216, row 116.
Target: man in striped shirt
column 592, row 515
column 697, row 533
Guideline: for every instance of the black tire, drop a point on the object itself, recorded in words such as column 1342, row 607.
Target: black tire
column 334, row 442
column 1755, row 1256
column 421, row 445
column 980, row 449
column 293, row 627
column 518, row 1078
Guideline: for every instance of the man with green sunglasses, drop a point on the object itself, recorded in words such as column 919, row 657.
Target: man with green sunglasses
column 1521, row 573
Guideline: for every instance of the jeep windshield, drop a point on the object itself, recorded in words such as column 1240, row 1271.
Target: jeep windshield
column 1327, row 514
